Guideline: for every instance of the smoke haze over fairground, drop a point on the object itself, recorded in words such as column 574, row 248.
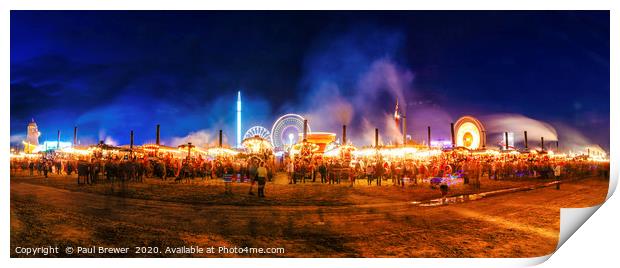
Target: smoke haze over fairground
column 110, row 72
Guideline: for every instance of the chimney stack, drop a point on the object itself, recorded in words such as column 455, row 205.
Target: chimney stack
column 404, row 118
column 452, row 133
column 429, row 137
column 525, row 136
column 376, row 138
column 74, row 136
column 542, row 143
column 131, row 140
column 344, row 134
column 157, row 135
column 506, row 139
column 305, row 129
column 220, row 140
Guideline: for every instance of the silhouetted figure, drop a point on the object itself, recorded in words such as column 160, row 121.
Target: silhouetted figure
column 261, row 178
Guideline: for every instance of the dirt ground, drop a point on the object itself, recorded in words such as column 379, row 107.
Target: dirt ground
column 306, row 220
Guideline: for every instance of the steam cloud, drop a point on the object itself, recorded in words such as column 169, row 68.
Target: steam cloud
column 572, row 140
column 327, row 107
column 107, row 139
column 18, row 138
column 569, row 138
column 201, row 138
column 516, row 123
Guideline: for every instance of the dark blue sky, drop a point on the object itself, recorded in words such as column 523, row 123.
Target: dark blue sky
column 109, row 72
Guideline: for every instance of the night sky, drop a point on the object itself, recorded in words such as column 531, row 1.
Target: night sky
column 110, row 72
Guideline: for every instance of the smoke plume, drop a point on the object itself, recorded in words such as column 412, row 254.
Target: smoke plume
column 497, row 124
column 202, row 138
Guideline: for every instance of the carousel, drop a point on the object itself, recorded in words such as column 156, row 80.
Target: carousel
column 257, row 145
column 321, row 139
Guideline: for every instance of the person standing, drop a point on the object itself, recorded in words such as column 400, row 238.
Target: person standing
column 290, row 168
column 402, row 174
column 444, row 190
column 303, row 170
column 164, row 172
column 379, row 171
column 557, row 171
column 467, row 171
column 348, row 173
column 323, row 172
column 58, row 166
column 31, row 168
column 270, row 169
column 227, row 177
column 39, row 167
column 493, row 173
column 369, row 173
column 477, row 174
column 313, row 170
column 252, row 176
column 262, row 178
column 44, row 164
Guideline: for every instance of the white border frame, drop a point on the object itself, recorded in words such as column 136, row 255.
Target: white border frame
column 588, row 252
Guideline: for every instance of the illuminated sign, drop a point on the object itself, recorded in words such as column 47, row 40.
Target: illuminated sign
column 511, row 139
column 53, row 145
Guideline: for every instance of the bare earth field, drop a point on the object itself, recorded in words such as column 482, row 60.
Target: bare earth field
column 307, row 220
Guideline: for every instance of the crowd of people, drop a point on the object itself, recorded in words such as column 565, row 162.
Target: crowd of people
column 134, row 168
column 469, row 168
column 436, row 171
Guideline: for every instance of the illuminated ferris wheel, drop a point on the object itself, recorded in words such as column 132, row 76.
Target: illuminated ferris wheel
column 285, row 131
column 470, row 133
column 257, row 131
